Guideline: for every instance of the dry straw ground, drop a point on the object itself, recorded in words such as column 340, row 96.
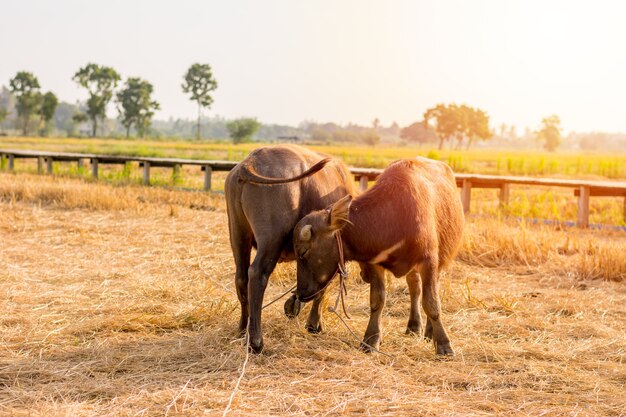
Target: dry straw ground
column 119, row 301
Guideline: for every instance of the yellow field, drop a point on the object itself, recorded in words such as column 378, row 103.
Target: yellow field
column 579, row 165
column 542, row 203
column 119, row 300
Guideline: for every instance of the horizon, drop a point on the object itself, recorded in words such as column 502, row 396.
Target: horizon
column 519, row 61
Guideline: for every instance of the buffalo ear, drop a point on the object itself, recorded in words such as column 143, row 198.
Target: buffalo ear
column 305, row 233
column 339, row 213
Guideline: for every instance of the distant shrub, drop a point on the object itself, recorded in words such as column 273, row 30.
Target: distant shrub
column 433, row 154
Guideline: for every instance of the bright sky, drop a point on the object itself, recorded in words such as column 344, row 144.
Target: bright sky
column 285, row 61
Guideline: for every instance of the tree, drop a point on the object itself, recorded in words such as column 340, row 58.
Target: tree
column 477, row 125
column 62, row 118
column 3, row 115
column 446, row 119
column 394, row 129
column 503, row 129
column 550, row 133
column 370, row 137
column 25, row 87
column 458, row 122
column 77, row 120
column 241, row 130
column 199, row 82
column 136, row 106
column 418, row 132
column 512, row 133
column 100, row 82
column 319, row 134
column 47, row 107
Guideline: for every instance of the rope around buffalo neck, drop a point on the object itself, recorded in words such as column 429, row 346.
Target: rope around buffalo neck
column 341, row 270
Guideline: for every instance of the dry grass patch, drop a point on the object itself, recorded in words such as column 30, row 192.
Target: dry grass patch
column 126, row 306
column 74, row 193
column 582, row 254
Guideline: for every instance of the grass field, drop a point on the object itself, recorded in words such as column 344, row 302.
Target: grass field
column 545, row 203
column 542, row 203
column 119, row 300
column 579, row 165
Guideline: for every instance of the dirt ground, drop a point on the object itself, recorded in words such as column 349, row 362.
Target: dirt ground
column 133, row 312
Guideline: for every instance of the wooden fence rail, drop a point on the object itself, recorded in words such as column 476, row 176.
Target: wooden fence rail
column 47, row 158
column 582, row 189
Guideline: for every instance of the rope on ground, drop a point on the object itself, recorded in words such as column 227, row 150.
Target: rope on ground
column 245, row 362
column 243, row 371
column 357, row 337
column 335, row 309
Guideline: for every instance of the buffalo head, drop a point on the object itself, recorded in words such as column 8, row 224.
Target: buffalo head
column 316, row 248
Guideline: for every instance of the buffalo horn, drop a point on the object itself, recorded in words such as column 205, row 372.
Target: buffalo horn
column 305, row 233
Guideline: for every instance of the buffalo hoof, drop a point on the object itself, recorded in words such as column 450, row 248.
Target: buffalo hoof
column 256, row 347
column 370, row 344
column 444, row 349
column 428, row 334
column 367, row 348
column 314, row 329
column 292, row 307
column 414, row 329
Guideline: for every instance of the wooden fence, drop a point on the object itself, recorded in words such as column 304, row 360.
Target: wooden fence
column 582, row 189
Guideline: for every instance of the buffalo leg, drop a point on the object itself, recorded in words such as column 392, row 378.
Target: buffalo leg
column 242, row 261
column 314, row 322
column 241, row 245
column 414, row 282
column 375, row 275
column 432, row 307
column 428, row 332
column 258, row 276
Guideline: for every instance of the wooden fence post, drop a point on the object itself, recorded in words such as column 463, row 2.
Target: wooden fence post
column 11, row 162
column 583, row 207
column 363, row 182
column 49, row 161
column 79, row 163
column 40, row 165
column 504, row 195
column 625, row 209
column 207, row 177
column 94, row 167
column 176, row 173
column 146, row 173
column 466, row 194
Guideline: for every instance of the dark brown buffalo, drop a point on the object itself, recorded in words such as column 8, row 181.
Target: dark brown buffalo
column 266, row 195
column 410, row 223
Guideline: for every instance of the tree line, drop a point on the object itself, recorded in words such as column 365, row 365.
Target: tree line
column 31, row 101
column 458, row 124
column 451, row 123
column 134, row 100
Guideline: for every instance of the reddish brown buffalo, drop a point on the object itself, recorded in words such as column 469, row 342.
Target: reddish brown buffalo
column 410, row 223
column 266, row 195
